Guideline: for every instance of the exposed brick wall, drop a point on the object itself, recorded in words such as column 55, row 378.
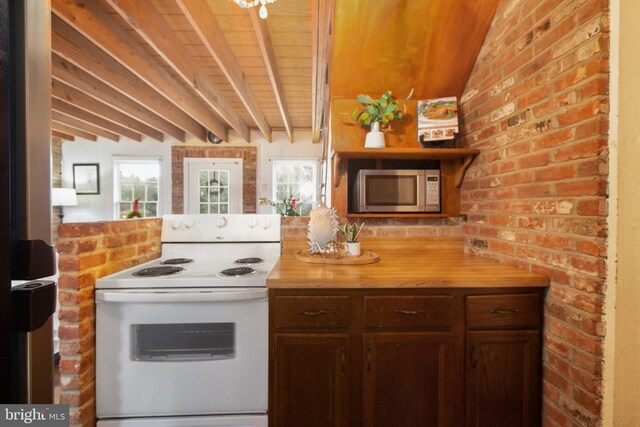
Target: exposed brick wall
column 89, row 251
column 297, row 227
column 56, row 182
column 536, row 106
column 247, row 154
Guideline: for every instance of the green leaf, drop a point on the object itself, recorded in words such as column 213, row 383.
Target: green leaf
column 365, row 99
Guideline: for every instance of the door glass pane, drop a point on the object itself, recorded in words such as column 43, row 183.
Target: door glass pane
column 204, row 208
column 183, row 341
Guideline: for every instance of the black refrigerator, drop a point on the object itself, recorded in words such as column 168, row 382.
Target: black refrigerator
column 25, row 206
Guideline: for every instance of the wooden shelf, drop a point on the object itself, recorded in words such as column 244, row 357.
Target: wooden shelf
column 466, row 155
column 396, row 215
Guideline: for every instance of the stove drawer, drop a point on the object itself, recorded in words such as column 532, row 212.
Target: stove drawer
column 312, row 312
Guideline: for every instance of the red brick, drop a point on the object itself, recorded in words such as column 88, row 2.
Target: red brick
column 556, row 173
column 583, row 112
column 582, row 188
column 580, row 150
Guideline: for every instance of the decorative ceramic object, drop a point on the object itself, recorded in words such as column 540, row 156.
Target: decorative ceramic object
column 353, row 249
column 323, row 227
column 375, row 138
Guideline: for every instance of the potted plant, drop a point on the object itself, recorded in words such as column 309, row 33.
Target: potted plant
column 377, row 113
column 351, row 233
column 288, row 207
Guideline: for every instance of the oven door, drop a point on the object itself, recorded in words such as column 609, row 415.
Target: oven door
column 181, row 352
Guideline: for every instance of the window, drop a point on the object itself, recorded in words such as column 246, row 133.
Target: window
column 296, row 179
column 214, row 191
column 137, row 179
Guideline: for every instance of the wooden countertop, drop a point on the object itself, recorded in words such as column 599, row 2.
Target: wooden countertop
column 403, row 264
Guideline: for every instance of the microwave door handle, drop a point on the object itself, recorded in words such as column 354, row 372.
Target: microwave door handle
column 171, row 296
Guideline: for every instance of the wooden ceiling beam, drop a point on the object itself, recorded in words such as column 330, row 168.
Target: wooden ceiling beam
column 96, row 89
column 263, row 34
column 206, row 26
column 74, row 47
column 69, row 130
column 94, row 22
column 63, row 107
column 321, row 18
column 75, row 102
column 62, row 135
column 87, row 127
column 149, row 24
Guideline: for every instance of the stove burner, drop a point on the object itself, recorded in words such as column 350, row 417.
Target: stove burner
column 158, row 271
column 175, row 261
column 237, row 272
column 253, row 260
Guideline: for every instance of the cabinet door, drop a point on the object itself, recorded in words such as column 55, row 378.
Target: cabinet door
column 409, row 379
column 503, row 378
column 311, row 380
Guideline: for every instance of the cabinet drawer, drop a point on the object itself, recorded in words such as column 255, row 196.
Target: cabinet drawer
column 503, row 310
column 409, row 311
column 312, row 312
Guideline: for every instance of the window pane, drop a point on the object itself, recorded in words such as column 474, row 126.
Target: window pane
column 204, row 208
column 213, row 208
column 124, row 209
column 213, row 195
column 138, row 191
column 126, row 193
column 152, row 193
column 150, row 209
column 295, row 179
column 224, row 208
column 224, row 195
column 224, row 177
column 203, row 177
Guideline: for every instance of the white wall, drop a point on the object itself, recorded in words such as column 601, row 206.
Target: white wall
column 101, row 207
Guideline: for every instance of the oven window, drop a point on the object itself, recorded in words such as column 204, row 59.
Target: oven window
column 183, row 341
column 392, row 190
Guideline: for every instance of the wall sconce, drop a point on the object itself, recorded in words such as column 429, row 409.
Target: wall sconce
column 61, row 197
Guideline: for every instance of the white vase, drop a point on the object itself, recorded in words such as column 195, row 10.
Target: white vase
column 353, row 249
column 375, row 138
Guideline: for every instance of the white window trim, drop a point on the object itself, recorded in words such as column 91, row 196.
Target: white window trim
column 115, row 163
column 318, row 162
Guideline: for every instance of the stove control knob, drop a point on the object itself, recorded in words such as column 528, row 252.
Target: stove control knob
column 221, row 222
column 266, row 223
column 252, row 223
column 189, row 223
column 175, row 224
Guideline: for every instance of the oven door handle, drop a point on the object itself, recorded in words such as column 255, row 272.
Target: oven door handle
column 209, row 295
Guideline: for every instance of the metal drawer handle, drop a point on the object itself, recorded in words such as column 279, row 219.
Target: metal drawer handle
column 409, row 312
column 313, row 313
column 504, row 311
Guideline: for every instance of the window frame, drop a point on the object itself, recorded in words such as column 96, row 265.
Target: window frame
column 117, row 161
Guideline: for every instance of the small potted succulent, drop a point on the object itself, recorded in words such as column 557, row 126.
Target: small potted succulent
column 377, row 113
column 351, row 232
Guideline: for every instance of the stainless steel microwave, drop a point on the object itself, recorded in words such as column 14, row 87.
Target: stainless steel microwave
column 397, row 190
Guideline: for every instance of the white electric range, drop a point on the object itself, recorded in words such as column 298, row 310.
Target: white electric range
column 182, row 340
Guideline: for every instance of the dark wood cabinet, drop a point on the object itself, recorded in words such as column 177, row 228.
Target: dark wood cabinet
column 408, row 379
column 503, row 378
column 405, row 357
column 310, row 382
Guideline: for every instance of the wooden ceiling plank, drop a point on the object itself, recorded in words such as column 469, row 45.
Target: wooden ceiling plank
column 79, row 79
column 261, row 28
column 62, row 135
column 322, row 14
column 75, row 99
column 82, row 125
column 148, row 23
column 69, row 130
column 205, row 24
column 74, row 47
column 63, row 107
column 95, row 23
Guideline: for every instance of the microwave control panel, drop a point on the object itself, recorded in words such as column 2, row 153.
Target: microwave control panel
column 432, row 192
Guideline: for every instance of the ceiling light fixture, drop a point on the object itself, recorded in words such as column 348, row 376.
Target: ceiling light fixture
column 263, row 8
